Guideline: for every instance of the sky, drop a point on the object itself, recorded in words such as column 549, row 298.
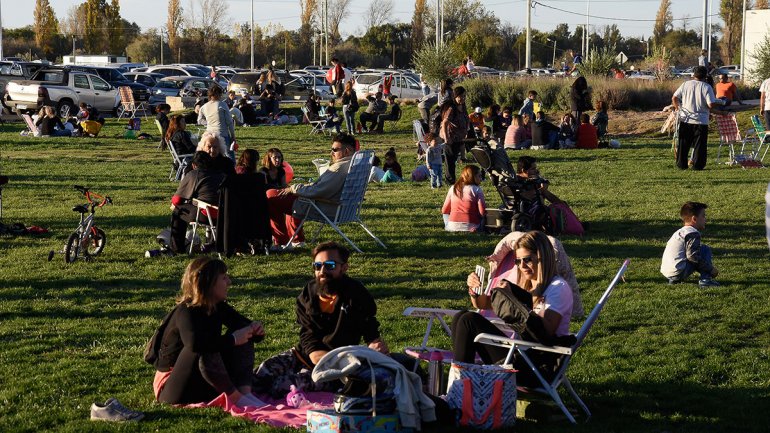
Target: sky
column 635, row 18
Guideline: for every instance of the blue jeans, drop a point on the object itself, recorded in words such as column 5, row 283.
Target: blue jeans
column 435, row 175
column 689, row 268
column 350, row 120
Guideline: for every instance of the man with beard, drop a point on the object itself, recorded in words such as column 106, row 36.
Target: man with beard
column 333, row 310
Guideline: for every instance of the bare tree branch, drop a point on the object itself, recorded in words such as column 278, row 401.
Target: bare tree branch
column 378, row 13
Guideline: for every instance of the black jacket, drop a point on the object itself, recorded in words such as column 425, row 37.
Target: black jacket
column 354, row 318
column 540, row 132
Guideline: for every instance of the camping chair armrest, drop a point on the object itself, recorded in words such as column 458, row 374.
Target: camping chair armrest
column 429, row 312
column 317, row 200
column 187, row 155
column 496, row 340
column 203, row 204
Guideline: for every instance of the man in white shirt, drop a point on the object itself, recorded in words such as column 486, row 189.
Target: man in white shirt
column 764, row 102
column 694, row 100
column 702, row 58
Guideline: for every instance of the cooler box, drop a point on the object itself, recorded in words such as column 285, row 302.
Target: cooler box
column 329, row 421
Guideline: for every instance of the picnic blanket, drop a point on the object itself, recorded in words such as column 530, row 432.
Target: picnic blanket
column 277, row 414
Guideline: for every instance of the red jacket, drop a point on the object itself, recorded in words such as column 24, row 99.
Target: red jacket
column 587, row 138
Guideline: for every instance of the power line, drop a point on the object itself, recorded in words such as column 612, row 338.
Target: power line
column 537, row 3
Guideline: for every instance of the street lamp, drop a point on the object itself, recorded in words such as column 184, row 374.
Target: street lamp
column 553, row 62
column 252, row 35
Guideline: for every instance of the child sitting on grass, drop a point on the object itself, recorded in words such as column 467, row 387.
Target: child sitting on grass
column 685, row 253
column 587, row 137
column 391, row 167
column 600, row 120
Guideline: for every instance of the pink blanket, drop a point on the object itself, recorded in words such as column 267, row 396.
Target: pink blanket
column 277, row 414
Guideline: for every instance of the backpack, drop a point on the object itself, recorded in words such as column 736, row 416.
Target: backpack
column 152, row 349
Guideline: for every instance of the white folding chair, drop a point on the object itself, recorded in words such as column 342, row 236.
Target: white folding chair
column 180, row 161
column 318, row 126
column 211, row 228
column 33, row 131
column 349, row 206
column 521, row 347
column 419, row 135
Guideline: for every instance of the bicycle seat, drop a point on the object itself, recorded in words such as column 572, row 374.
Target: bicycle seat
column 82, row 208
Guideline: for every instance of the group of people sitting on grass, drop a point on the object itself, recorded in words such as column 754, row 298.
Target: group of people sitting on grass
column 86, row 122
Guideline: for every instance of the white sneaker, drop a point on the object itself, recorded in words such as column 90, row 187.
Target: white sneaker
column 112, row 410
column 298, row 245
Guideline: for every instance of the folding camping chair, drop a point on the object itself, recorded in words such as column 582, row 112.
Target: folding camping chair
column 180, row 162
column 162, row 142
column 211, row 228
column 31, row 127
column 727, row 126
column 348, row 209
column 419, row 136
column 318, row 126
column 521, row 347
column 761, row 136
column 128, row 105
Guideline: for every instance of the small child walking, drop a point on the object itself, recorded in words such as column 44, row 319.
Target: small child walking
column 685, row 253
column 433, row 159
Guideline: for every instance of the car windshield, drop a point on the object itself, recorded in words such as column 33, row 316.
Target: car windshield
column 170, row 84
column 248, row 78
column 368, row 79
column 195, row 72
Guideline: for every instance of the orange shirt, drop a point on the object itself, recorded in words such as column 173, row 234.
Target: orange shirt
column 726, row 90
column 477, row 120
column 327, row 303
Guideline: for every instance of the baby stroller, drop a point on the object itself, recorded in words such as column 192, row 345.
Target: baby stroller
column 523, row 208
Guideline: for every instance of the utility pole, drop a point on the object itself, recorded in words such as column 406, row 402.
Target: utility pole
column 161, row 46
column 588, row 28
column 704, row 42
column 252, row 35
column 711, row 27
column 326, row 29
column 743, row 41
column 73, row 48
column 553, row 62
column 285, row 50
column 442, row 23
column 528, row 51
column 438, row 24
column 1, row 30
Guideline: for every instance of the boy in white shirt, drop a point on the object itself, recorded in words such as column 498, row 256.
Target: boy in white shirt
column 685, row 253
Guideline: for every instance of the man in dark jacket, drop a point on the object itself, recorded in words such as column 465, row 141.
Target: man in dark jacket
column 544, row 133
column 394, row 115
column 333, row 311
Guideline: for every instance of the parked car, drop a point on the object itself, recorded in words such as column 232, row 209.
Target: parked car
column 640, row 75
column 62, row 88
column 183, row 86
column 405, row 86
column 15, row 71
column 175, row 71
column 113, row 76
column 294, row 89
column 147, row 78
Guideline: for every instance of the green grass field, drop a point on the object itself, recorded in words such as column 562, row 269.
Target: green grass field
column 661, row 358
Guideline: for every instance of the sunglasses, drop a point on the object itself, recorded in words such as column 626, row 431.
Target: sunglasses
column 336, row 149
column 329, row 264
column 527, row 260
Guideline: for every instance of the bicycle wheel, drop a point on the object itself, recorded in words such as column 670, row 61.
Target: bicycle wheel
column 72, row 249
column 96, row 241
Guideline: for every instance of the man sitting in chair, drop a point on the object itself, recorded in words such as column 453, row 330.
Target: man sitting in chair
column 200, row 183
column 333, row 311
column 286, row 211
column 395, row 114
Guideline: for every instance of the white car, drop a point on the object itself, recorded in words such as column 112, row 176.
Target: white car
column 404, row 86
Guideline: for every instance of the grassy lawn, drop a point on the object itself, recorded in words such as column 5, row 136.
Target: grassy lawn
column 661, row 358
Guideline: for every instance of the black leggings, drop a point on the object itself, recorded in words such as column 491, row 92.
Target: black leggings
column 200, row 377
column 692, row 135
column 466, row 325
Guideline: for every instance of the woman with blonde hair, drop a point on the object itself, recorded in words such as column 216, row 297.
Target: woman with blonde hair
column 464, row 208
column 196, row 361
column 350, row 106
column 537, row 305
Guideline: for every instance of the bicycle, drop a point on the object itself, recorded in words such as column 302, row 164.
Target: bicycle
column 87, row 240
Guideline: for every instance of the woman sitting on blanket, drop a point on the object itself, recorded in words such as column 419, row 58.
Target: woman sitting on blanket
column 537, row 306
column 196, row 362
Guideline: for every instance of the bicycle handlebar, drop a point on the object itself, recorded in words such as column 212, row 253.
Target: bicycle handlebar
column 88, row 194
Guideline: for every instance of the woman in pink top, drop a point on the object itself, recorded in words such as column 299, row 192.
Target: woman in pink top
column 516, row 135
column 464, row 208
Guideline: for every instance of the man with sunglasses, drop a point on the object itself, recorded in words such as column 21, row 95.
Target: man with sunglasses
column 328, row 188
column 333, row 311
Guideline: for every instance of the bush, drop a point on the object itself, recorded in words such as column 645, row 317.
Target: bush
column 434, row 65
column 553, row 93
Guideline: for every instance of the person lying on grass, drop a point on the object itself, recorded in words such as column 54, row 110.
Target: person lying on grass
column 197, row 362
column 537, row 306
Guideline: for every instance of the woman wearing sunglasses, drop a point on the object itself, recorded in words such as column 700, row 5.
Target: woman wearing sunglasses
column 537, row 305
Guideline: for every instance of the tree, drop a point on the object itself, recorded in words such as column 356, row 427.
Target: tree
column 761, row 4
column 434, row 64
column 74, row 23
column 664, row 21
column 308, row 8
column 418, row 24
column 338, row 10
column 115, row 29
column 480, row 41
column 378, row 13
column 382, row 43
column 174, row 23
column 731, row 12
column 93, row 35
column 761, row 68
column 46, row 26
column 211, row 17
column 144, row 48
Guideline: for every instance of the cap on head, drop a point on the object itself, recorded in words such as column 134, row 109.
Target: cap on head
column 478, row 110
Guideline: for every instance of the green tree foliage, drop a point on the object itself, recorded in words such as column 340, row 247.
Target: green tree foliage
column 598, row 62
column 94, row 36
column 46, row 27
column 115, row 28
column 480, row 41
column 379, row 42
column 174, row 23
column 664, row 20
column 434, row 64
column 761, row 54
column 144, row 48
column 659, row 62
column 731, row 12
column 418, row 24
